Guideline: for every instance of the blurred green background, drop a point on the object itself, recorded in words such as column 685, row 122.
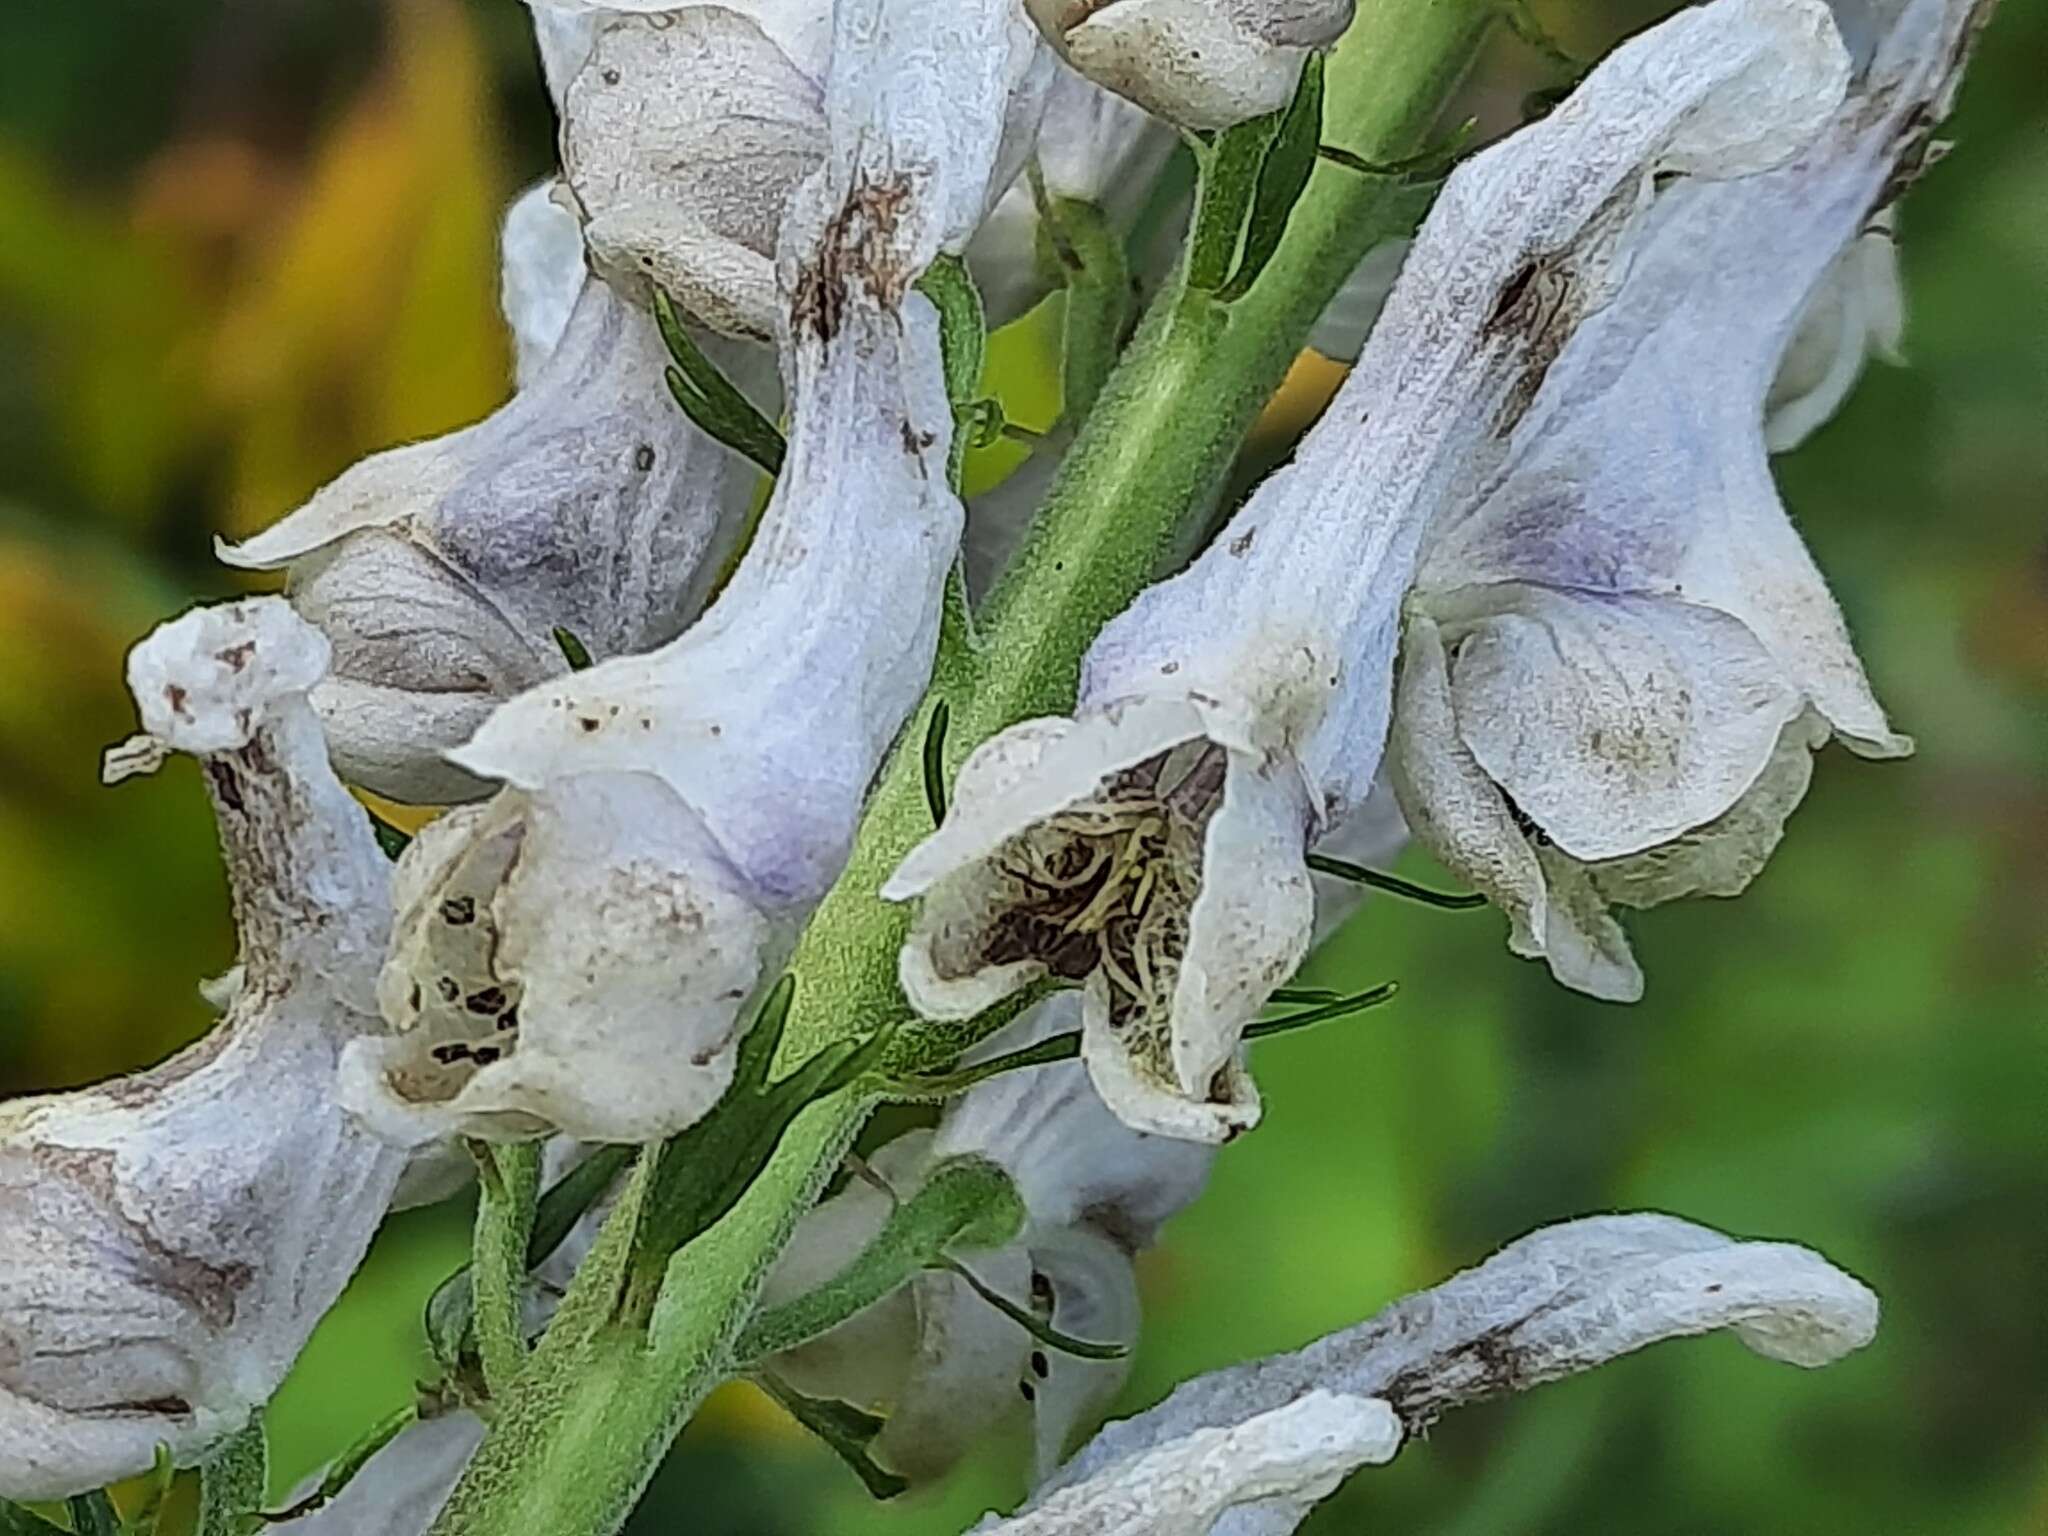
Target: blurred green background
column 243, row 242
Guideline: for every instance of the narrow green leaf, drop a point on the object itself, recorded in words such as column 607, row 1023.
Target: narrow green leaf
column 967, row 1202
column 935, row 760
column 963, row 348
column 1283, row 177
column 574, row 651
column 92, row 1514
column 710, row 399
column 450, row 1323
column 1325, row 1005
column 1427, row 164
column 575, row 1192
column 944, row 1085
column 763, row 1038
column 842, row 1427
column 1229, row 180
column 1343, row 1007
column 231, row 1483
column 1394, row 885
column 1293, row 995
column 1030, row 1322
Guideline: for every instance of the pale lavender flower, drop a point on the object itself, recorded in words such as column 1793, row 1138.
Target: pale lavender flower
column 578, row 955
column 1151, row 848
column 1620, row 658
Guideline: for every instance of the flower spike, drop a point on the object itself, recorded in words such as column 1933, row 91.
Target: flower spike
column 578, row 955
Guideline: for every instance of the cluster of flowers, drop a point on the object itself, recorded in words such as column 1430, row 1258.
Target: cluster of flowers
column 1528, row 574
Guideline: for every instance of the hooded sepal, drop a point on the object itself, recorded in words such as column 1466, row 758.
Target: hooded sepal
column 173, row 1236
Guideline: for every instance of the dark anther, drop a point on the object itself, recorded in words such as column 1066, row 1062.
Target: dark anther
column 490, row 1001
column 457, row 911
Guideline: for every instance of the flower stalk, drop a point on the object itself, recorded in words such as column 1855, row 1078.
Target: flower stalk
column 584, row 1427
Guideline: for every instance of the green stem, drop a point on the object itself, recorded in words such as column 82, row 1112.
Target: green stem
column 507, row 1190
column 1158, row 447
column 589, row 1421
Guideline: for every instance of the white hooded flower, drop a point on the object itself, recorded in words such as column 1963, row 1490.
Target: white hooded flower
column 943, row 1365
column 1245, row 1451
column 578, row 954
column 440, row 570
column 1197, row 63
column 1620, row 657
column 169, row 1239
column 1151, row 848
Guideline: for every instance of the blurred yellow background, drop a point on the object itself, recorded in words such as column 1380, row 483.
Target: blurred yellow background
column 243, row 242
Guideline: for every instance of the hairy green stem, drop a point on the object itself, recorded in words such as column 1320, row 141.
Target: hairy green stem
column 508, row 1187
column 586, row 1425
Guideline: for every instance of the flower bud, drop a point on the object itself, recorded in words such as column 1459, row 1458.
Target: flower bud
column 168, row 1239
column 944, row 1366
column 1197, row 63
column 440, row 570
column 736, row 95
column 579, row 954
column 1620, row 657
column 1151, row 848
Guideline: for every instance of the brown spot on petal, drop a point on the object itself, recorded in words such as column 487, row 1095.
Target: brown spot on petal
column 854, row 249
